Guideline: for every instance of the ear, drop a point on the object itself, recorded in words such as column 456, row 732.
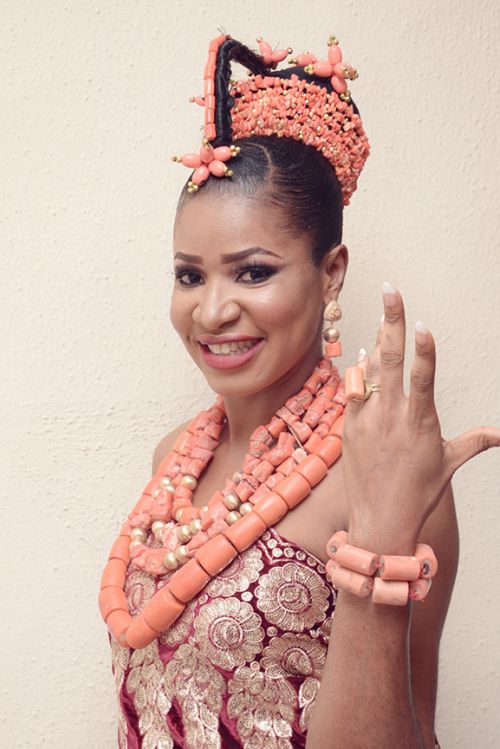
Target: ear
column 333, row 269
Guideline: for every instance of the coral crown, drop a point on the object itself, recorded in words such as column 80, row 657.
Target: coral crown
column 293, row 107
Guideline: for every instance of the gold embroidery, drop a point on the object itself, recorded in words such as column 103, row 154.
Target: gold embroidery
column 178, row 632
column 120, row 658
column 307, row 694
column 229, row 632
column 199, row 689
column 238, row 575
column 139, row 587
column 292, row 596
column 151, row 695
column 295, row 655
column 264, row 709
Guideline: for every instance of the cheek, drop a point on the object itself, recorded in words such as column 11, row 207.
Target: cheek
column 179, row 312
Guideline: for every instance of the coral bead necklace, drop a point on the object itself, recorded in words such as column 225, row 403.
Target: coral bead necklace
column 166, row 535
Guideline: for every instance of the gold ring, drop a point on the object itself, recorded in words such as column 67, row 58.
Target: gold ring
column 371, row 387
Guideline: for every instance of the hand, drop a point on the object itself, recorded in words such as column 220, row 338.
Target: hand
column 396, row 464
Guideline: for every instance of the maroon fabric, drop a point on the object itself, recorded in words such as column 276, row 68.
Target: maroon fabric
column 241, row 667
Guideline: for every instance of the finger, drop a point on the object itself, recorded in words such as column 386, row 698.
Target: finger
column 392, row 347
column 373, row 368
column 470, row 444
column 421, row 396
column 363, row 360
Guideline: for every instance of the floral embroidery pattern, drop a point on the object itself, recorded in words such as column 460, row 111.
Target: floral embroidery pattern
column 238, row 575
column 152, row 697
column 293, row 655
column 228, row 632
column 200, row 689
column 307, row 694
column 180, row 629
column 264, row 709
column 120, row 659
column 139, row 587
column 292, row 597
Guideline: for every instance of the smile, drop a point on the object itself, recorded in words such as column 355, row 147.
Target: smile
column 230, row 354
column 228, row 349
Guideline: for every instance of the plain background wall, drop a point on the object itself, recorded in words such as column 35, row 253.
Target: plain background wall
column 93, row 104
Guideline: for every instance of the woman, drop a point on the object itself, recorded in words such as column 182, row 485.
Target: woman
column 225, row 560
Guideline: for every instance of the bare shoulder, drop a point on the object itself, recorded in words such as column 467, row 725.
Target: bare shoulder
column 166, row 443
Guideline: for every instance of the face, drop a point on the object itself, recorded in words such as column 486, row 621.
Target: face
column 247, row 300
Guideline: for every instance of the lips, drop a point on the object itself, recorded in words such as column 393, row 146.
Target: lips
column 229, row 354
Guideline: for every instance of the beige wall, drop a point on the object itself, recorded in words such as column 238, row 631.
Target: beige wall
column 94, row 101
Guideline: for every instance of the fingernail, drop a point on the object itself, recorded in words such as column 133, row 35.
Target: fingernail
column 420, row 332
column 362, row 354
column 389, row 293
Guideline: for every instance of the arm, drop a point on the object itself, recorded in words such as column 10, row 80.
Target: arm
column 381, row 667
column 380, row 679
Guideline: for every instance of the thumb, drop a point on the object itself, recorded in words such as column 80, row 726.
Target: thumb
column 470, row 444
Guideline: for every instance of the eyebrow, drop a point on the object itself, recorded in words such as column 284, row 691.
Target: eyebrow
column 230, row 257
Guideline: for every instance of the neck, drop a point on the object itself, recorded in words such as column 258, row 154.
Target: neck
column 246, row 413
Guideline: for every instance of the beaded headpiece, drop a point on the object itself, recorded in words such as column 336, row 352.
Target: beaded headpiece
column 286, row 105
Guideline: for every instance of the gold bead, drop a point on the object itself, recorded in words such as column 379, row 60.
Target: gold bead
column 157, row 526
column 292, row 61
column 136, row 542
column 330, row 335
column 232, row 517
column 231, row 500
column 245, row 507
column 138, row 534
column 176, row 159
column 332, row 40
column 309, row 69
column 228, row 172
column 203, row 509
column 157, row 492
column 189, row 481
column 184, row 533
column 237, row 477
column 178, row 514
column 332, row 311
column 166, row 483
column 181, row 554
column 195, row 525
column 170, row 561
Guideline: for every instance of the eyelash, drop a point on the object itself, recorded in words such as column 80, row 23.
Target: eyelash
column 266, row 270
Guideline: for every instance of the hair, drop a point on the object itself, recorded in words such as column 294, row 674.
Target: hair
column 290, row 175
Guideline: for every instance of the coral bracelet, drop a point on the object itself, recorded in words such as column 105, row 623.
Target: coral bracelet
column 392, row 580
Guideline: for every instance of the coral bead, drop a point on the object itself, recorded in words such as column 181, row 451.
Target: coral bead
column 222, row 153
column 334, row 54
column 199, row 177
column 217, row 168
column 323, row 69
column 339, row 84
column 192, row 160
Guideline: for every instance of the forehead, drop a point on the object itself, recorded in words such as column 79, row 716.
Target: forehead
column 211, row 222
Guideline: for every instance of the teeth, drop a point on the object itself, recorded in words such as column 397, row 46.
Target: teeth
column 234, row 347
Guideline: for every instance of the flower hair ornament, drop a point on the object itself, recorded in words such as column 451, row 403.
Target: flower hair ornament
column 296, row 103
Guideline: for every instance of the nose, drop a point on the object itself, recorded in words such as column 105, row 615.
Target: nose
column 216, row 307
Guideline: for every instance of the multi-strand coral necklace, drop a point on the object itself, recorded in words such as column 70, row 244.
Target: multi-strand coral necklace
column 165, row 534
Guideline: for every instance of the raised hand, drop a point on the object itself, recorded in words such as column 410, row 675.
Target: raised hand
column 396, row 463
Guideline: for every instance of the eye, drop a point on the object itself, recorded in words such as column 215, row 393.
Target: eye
column 256, row 272
column 186, row 276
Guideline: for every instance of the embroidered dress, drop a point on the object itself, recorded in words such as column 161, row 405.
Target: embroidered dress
column 241, row 667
